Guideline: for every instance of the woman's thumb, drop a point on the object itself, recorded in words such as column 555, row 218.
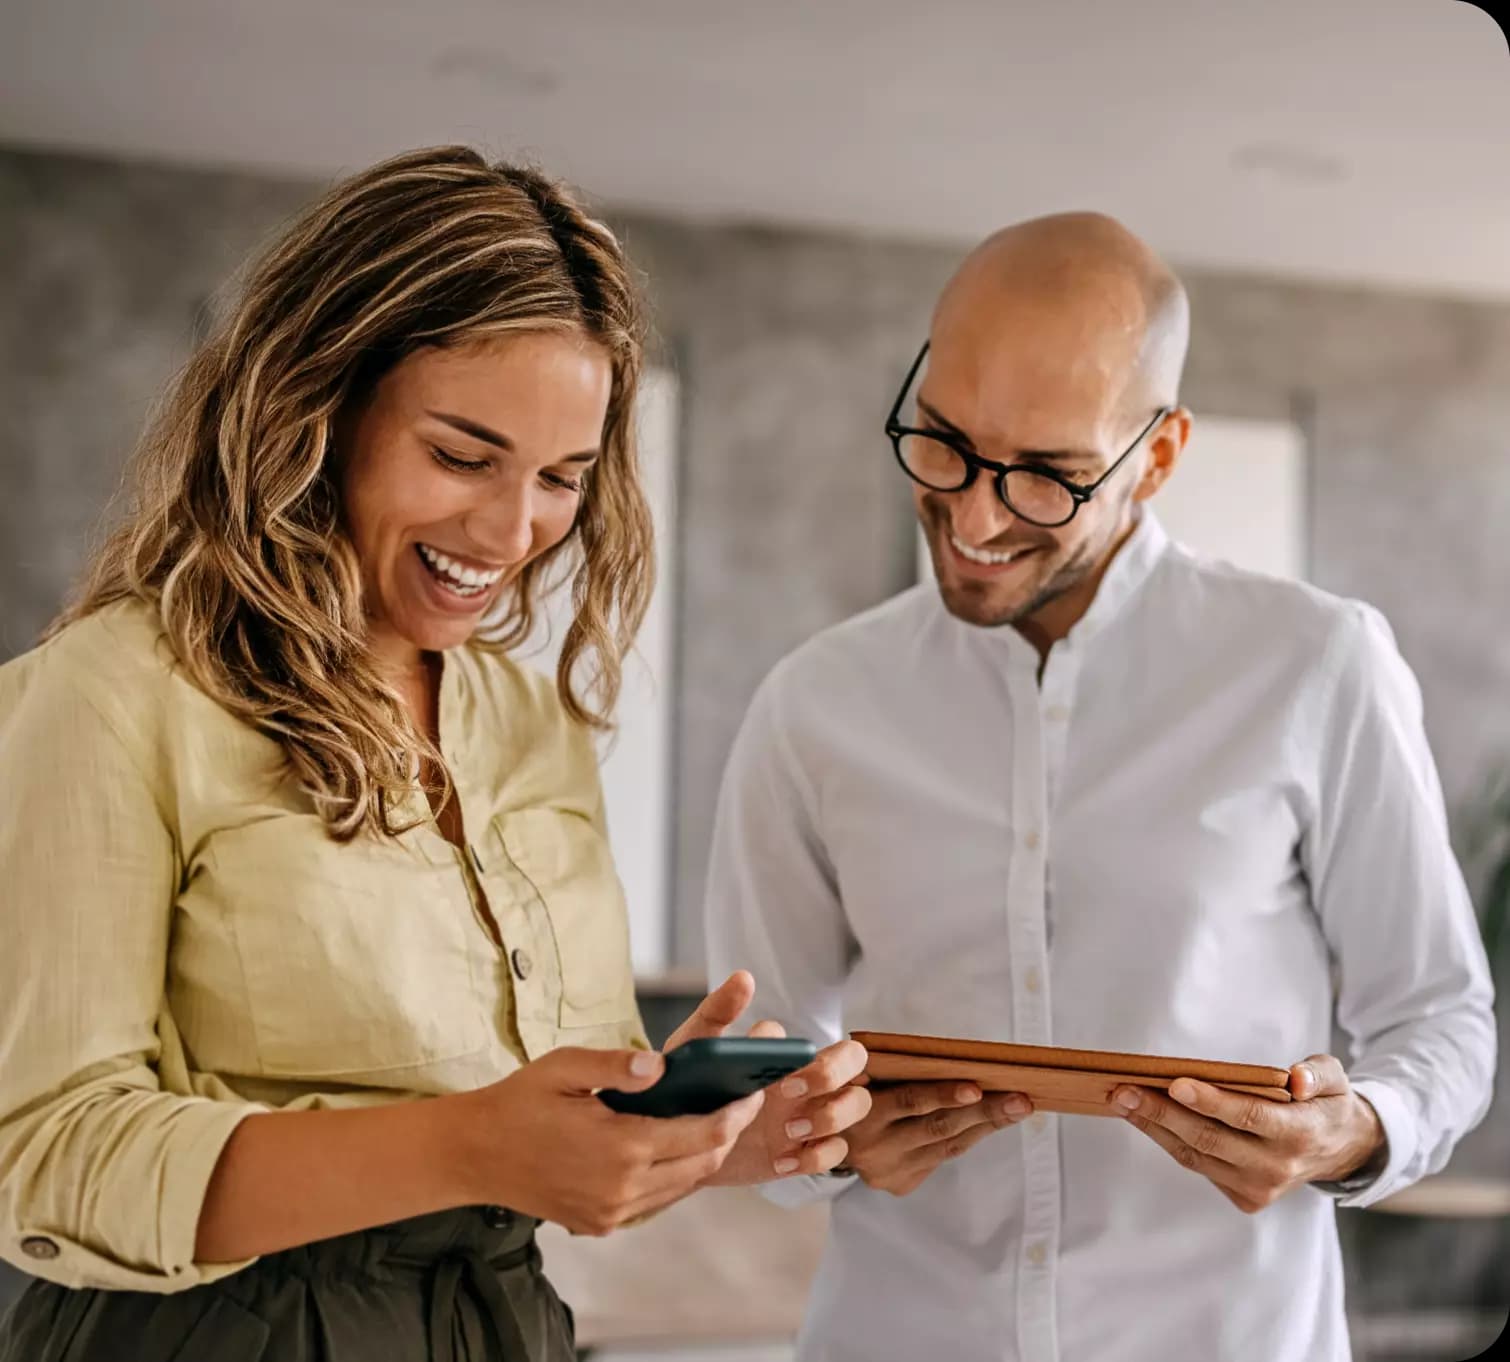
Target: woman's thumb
column 580, row 1070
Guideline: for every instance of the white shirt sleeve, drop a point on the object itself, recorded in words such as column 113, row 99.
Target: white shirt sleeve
column 772, row 900
column 1414, row 993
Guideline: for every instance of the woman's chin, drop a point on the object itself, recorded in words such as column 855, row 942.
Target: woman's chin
column 435, row 631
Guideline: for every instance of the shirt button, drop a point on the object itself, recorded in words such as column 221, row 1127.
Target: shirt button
column 1057, row 713
column 1038, row 1121
column 1036, row 1254
column 1032, row 841
column 522, row 964
column 1031, row 980
column 496, row 1218
column 43, row 1250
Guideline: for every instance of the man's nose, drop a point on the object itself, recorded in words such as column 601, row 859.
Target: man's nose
column 978, row 515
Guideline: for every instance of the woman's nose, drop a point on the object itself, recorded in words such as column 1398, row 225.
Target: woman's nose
column 504, row 527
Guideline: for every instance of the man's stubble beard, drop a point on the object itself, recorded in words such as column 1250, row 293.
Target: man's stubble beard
column 1066, row 577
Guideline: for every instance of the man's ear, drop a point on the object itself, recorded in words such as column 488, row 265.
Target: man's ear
column 1165, row 446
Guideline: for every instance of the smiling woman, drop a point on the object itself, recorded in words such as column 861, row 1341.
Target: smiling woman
column 294, row 842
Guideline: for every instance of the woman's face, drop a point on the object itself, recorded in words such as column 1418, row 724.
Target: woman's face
column 464, row 465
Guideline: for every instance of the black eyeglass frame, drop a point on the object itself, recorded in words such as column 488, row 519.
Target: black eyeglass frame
column 975, row 465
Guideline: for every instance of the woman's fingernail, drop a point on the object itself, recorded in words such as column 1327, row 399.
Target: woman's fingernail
column 644, row 1064
column 785, row 1166
column 794, row 1087
column 1128, row 1099
column 964, row 1093
column 1016, row 1106
column 798, row 1130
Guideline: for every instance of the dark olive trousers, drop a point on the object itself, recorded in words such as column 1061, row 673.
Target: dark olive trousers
column 459, row 1286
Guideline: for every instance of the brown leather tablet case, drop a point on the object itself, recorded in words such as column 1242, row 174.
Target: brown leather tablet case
column 1078, row 1082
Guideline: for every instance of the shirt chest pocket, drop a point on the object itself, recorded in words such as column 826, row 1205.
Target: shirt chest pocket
column 357, row 958
column 569, row 870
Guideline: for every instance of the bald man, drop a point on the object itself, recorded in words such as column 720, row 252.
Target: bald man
column 1091, row 790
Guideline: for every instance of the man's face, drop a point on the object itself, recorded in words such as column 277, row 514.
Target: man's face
column 1012, row 403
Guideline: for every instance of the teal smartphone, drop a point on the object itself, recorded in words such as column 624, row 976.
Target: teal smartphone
column 704, row 1075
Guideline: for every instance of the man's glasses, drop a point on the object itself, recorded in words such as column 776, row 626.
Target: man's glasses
column 1030, row 491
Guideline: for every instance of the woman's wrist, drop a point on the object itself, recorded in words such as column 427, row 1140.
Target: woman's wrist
column 461, row 1144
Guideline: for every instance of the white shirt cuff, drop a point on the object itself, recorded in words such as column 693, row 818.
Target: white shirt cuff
column 790, row 1193
column 1400, row 1140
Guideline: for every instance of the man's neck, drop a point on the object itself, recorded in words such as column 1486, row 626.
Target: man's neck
column 1047, row 626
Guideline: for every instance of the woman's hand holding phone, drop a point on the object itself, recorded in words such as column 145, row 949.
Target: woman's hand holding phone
column 540, row 1142
column 799, row 1129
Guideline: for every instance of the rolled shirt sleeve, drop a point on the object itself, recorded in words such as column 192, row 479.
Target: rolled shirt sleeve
column 102, row 1172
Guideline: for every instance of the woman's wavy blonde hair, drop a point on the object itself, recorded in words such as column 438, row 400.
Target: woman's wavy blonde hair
column 233, row 526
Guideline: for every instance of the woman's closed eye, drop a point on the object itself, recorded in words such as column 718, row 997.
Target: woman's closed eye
column 561, row 482
column 458, row 465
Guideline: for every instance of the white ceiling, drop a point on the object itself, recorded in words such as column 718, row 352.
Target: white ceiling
column 1360, row 140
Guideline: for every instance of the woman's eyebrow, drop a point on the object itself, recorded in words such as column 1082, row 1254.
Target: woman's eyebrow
column 490, row 436
column 473, row 428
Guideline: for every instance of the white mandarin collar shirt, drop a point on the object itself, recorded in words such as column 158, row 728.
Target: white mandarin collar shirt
column 1212, row 826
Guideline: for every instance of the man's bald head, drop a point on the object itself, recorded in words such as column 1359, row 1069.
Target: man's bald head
column 1086, row 294
column 1055, row 343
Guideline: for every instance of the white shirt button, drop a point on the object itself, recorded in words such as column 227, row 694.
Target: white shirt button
column 1032, row 841
column 1057, row 713
column 1036, row 1254
column 1032, row 981
column 1038, row 1120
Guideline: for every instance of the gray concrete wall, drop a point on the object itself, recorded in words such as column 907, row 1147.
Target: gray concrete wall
column 789, row 346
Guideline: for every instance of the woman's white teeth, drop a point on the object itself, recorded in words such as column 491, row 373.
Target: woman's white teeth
column 982, row 555
column 465, row 581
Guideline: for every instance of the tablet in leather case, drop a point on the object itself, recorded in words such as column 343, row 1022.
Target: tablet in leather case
column 1076, row 1082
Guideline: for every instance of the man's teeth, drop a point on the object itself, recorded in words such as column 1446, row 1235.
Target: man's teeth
column 982, row 555
column 465, row 581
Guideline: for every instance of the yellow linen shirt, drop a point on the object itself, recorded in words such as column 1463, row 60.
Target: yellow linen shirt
column 184, row 945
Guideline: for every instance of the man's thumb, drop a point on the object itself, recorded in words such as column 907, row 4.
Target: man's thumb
column 1318, row 1076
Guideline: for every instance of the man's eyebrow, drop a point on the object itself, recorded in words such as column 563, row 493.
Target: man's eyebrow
column 490, row 436
column 944, row 423
column 1022, row 455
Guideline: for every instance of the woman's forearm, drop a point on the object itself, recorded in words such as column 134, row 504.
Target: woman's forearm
column 291, row 1178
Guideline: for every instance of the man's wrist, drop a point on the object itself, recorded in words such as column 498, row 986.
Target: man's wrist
column 1365, row 1155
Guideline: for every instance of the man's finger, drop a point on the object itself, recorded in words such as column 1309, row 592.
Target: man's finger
column 1318, row 1076
column 1203, row 1135
column 1240, row 1110
column 942, row 1126
column 1224, row 1175
column 941, row 1151
column 766, row 1029
column 919, row 1099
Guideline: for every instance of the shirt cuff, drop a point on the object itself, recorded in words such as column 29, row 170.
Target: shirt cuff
column 162, row 1186
column 1400, row 1140
column 808, row 1190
